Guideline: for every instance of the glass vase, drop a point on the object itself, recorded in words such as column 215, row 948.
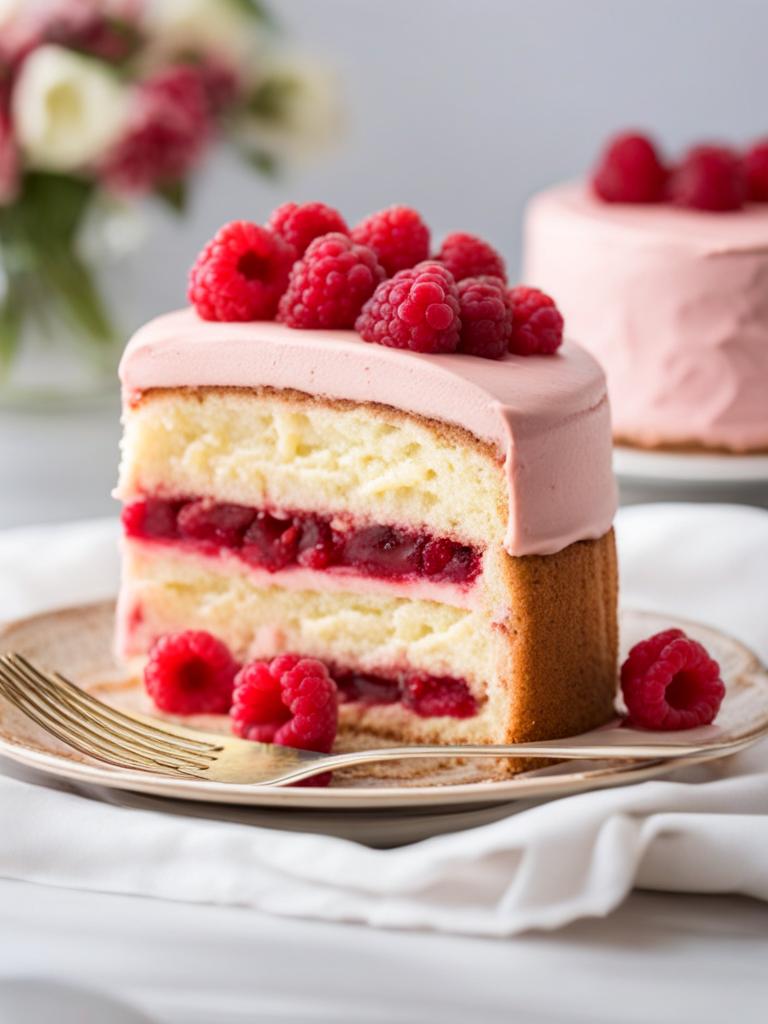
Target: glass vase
column 55, row 366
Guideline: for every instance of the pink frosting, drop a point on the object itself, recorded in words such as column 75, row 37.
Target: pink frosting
column 674, row 304
column 548, row 416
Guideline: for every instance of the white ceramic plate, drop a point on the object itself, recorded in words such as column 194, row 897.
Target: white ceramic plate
column 78, row 642
column 693, row 468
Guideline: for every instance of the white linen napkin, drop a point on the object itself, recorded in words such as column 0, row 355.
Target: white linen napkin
column 706, row 830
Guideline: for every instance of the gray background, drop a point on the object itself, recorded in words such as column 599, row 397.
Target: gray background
column 461, row 108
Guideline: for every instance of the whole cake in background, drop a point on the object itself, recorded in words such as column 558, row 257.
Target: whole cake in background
column 661, row 272
column 350, row 453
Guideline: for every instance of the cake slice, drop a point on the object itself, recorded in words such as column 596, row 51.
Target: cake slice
column 435, row 528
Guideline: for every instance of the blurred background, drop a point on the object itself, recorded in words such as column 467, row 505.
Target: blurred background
column 460, row 109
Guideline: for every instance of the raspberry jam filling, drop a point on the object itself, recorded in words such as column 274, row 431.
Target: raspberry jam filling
column 426, row 695
column 272, row 542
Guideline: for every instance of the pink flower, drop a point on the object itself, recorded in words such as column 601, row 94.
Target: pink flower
column 221, row 82
column 84, row 25
column 167, row 134
column 10, row 164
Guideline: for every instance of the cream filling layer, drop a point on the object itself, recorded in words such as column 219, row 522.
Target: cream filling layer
column 165, row 590
column 332, row 581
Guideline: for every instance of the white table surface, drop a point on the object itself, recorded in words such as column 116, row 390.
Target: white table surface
column 658, row 959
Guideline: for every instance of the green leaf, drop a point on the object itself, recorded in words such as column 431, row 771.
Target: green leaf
column 265, row 163
column 10, row 327
column 258, row 10
column 72, row 283
column 174, row 194
column 272, row 97
column 53, row 205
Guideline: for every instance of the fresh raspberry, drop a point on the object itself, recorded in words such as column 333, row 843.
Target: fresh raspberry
column 468, row 256
column 289, row 700
column 329, row 285
column 756, row 170
column 670, row 682
column 709, row 178
column 417, row 309
column 300, row 225
column 190, row 673
column 537, row 324
column 397, row 235
column 486, row 317
column 240, row 274
column 629, row 171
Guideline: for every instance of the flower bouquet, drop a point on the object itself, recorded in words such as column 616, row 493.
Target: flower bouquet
column 104, row 102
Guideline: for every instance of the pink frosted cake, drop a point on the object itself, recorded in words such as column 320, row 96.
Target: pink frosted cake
column 435, row 527
column 673, row 302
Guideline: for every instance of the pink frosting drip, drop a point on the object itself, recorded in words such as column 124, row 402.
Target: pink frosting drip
column 674, row 304
column 548, row 416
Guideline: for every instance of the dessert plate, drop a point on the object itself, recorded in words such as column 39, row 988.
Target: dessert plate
column 689, row 468
column 78, row 642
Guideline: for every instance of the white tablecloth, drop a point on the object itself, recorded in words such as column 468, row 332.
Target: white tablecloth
column 299, row 969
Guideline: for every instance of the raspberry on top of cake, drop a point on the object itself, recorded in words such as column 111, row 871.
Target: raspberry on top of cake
column 351, row 452
column 660, row 268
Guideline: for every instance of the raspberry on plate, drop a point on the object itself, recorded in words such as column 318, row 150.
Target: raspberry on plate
column 417, row 309
column 397, row 235
column 537, row 325
column 756, row 170
column 486, row 317
column 328, row 286
column 301, row 224
column 190, row 673
column 468, row 256
column 670, row 682
column 240, row 274
column 709, row 178
column 629, row 170
column 290, row 700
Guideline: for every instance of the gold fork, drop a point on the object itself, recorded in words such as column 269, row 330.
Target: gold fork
column 139, row 743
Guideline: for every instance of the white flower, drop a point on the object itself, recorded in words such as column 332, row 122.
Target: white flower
column 222, row 29
column 8, row 9
column 67, row 109
column 295, row 109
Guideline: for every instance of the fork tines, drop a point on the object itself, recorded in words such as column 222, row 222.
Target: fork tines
column 97, row 729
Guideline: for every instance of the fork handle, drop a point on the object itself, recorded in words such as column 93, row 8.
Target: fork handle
column 546, row 749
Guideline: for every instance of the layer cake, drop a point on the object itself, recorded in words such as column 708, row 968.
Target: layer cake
column 435, row 528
